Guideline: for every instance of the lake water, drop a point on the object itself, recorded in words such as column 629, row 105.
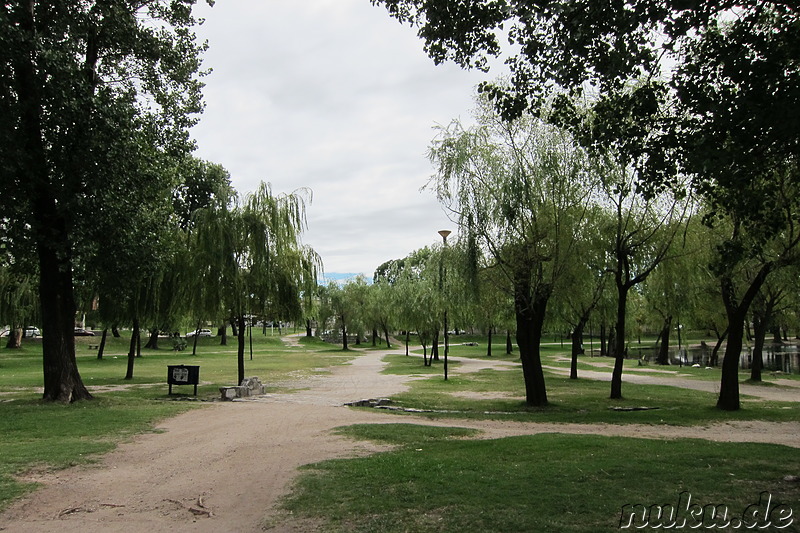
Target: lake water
column 777, row 357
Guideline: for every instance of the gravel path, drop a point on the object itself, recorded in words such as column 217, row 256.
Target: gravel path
column 223, row 467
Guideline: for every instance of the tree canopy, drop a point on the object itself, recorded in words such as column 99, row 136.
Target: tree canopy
column 707, row 89
column 708, row 92
column 520, row 191
column 96, row 99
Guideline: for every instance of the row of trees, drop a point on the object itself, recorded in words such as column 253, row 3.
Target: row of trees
column 552, row 237
column 102, row 200
column 95, row 103
column 693, row 98
column 210, row 256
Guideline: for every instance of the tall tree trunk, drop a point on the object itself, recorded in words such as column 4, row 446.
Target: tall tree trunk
column 619, row 345
column 222, row 331
column 62, row 382
column 715, row 352
column 728, row 399
column 760, row 334
column 762, row 321
column 240, row 329
column 529, row 308
column 489, row 343
column 309, row 333
column 611, row 342
column 375, row 337
column 446, row 345
column 435, row 346
column 509, row 345
column 777, row 337
column 344, row 335
column 408, row 336
column 152, row 342
column 14, row 338
column 663, row 350
column 577, row 345
column 386, row 334
column 529, row 338
column 736, row 313
column 194, row 340
column 115, row 332
column 132, row 349
column 102, row 347
column 603, row 350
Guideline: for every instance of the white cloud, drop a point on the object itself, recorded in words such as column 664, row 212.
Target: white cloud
column 336, row 96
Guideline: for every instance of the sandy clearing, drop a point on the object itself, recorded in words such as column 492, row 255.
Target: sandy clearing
column 224, row 467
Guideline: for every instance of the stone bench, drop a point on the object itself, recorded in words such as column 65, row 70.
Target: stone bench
column 249, row 387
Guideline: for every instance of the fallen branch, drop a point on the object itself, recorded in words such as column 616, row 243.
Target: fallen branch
column 72, row 510
column 200, row 509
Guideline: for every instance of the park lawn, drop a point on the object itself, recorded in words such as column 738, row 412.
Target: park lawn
column 35, row 436
column 499, row 394
column 557, row 354
column 272, row 361
column 435, row 479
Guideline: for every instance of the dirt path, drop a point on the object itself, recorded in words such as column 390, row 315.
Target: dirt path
column 222, row 468
column 787, row 391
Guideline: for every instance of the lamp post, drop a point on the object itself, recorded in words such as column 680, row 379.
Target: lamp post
column 443, row 273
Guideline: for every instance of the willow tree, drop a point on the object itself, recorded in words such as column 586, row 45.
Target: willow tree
column 492, row 305
column 18, row 302
column 708, row 90
column 91, row 94
column 518, row 189
column 585, row 282
column 382, row 305
column 417, row 302
column 251, row 252
column 642, row 229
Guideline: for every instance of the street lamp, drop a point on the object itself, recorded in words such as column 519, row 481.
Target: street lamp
column 443, row 273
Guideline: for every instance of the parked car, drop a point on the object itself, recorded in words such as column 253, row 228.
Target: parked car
column 200, row 333
column 80, row 332
column 31, row 331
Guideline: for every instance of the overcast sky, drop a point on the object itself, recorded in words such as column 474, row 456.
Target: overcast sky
column 336, row 96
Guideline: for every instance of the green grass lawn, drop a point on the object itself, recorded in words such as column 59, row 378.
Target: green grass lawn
column 499, row 394
column 435, row 480
column 272, row 360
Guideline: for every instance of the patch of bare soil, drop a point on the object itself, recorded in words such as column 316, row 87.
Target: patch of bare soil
column 224, row 467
